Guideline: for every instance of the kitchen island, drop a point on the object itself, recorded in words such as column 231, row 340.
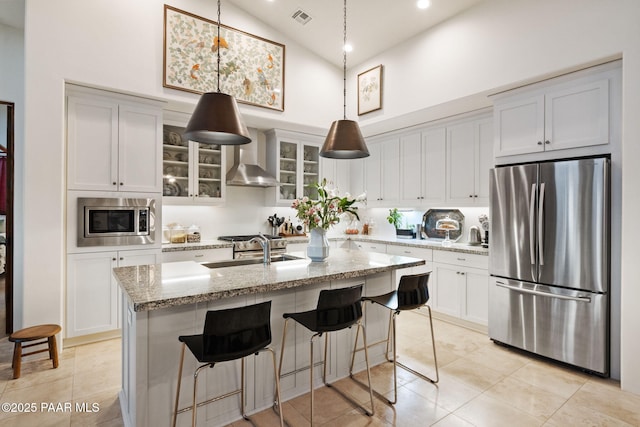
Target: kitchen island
column 161, row 302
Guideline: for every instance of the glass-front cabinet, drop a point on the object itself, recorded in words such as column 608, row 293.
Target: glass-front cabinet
column 191, row 172
column 295, row 160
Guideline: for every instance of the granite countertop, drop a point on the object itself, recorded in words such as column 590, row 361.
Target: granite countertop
column 422, row 243
column 418, row 243
column 204, row 244
column 165, row 285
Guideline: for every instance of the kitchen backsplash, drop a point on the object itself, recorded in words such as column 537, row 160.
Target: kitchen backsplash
column 245, row 213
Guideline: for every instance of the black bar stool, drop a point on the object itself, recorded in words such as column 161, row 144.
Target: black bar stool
column 337, row 309
column 229, row 335
column 412, row 293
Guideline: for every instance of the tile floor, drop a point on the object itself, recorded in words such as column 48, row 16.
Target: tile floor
column 481, row 384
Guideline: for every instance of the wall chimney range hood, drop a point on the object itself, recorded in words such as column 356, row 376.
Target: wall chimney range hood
column 245, row 170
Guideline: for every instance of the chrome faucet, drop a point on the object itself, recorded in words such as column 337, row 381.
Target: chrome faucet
column 266, row 247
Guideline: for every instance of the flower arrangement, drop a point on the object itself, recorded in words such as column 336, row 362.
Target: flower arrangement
column 326, row 211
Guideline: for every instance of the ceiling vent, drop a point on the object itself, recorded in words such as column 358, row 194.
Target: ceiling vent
column 301, row 16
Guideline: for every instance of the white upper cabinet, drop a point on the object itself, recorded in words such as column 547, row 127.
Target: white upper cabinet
column 411, row 167
column 519, row 126
column 447, row 163
column 357, row 184
column 193, row 173
column 422, row 167
column 336, row 171
column 469, row 158
column 294, row 159
column 139, row 155
column 372, row 174
column 113, row 143
column 566, row 113
column 577, row 116
column 382, row 172
column 434, row 147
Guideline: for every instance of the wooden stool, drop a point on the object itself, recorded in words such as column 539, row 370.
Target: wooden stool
column 46, row 333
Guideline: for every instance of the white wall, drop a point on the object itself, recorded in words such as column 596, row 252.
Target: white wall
column 12, row 90
column 503, row 44
column 500, row 43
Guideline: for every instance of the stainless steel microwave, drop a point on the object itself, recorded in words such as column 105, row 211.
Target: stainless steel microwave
column 115, row 221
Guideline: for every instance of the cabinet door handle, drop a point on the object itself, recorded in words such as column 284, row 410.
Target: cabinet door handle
column 462, row 273
column 475, row 195
column 114, row 183
column 547, row 142
column 539, row 142
column 113, row 259
column 121, row 258
column 122, row 183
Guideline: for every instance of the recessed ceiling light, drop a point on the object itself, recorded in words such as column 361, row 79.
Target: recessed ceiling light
column 348, row 47
column 423, row 4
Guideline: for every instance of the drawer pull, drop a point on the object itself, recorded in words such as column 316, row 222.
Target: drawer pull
column 461, row 259
column 199, row 256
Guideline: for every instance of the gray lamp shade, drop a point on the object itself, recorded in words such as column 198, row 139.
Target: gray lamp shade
column 344, row 141
column 217, row 120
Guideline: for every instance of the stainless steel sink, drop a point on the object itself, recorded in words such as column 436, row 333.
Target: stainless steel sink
column 248, row 261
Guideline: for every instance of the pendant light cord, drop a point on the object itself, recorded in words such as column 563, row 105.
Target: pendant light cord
column 344, row 64
column 218, row 47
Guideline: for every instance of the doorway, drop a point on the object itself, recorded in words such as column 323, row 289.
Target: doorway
column 7, row 111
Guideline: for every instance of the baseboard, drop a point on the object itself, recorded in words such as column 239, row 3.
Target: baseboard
column 91, row 338
column 483, row 329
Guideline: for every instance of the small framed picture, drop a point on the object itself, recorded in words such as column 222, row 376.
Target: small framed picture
column 370, row 90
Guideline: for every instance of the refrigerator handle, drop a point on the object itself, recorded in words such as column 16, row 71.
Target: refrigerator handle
column 532, row 213
column 541, row 224
column 543, row 294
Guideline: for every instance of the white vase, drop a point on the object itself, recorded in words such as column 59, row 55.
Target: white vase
column 318, row 249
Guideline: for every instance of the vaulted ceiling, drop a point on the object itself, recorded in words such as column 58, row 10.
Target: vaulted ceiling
column 373, row 26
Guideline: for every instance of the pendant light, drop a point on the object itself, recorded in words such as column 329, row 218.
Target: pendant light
column 344, row 140
column 216, row 119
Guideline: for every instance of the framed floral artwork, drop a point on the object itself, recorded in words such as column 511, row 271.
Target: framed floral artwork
column 251, row 67
column 370, row 90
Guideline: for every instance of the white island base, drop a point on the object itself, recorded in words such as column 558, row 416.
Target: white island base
column 151, row 353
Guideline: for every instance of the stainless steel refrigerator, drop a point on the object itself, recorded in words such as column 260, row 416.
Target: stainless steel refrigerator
column 549, row 260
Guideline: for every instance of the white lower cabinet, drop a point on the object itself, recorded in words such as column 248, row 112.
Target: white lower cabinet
column 369, row 246
column 198, row 255
column 93, row 296
column 461, row 286
column 297, row 247
column 340, row 243
column 422, row 253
